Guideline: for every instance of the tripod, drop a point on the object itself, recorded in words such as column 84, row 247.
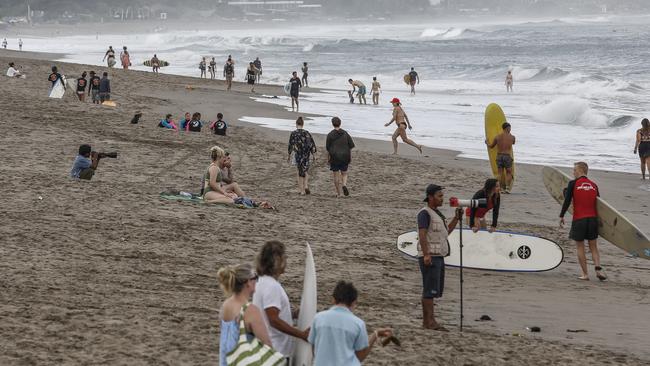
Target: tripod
column 461, row 272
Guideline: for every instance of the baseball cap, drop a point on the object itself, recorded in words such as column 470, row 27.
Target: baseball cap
column 395, row 100
column 432, row 189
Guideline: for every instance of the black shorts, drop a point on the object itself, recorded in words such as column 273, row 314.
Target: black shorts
column 584, row 229
column 644, row 149
column 294, row 94
column 339, row 167
column 433, row 277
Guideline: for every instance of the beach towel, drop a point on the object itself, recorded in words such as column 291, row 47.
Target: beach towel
column 241, row 202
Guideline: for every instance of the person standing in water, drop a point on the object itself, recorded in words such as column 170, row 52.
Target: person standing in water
column 305, row 74
column 82, row 82
column 294, row 92
column 203, row 68
column 414, row 78
column 125, row 58
column 212, row 68
column 376, row 87
column 258, row 65
column 109, row 57
column 251, row 76
column 155, row 64
column 20, row 44
column 643, row 146
column 229, row 72
column 4, row 43
column 509, row 82
column 360, row 88
column 301, row 147
column 402, row 120
column 504, row 142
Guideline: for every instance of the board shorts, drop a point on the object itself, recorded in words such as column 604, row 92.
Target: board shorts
column 504, row 161
column 339, row 167
column 229, row 77
column 584, row 229
column 294, row 94
column 362, row 90
column 95, row 95
column 644, row 149
column 433, row 277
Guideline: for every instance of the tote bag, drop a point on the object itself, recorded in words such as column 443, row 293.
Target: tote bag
column 254, row 352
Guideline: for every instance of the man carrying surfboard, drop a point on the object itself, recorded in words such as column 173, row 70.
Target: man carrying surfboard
column 155, row 64
column 584, row 194
column 413, row 79
column 504, row 142
column 433, row 247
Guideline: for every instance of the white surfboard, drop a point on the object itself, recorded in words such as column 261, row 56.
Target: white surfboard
column 303, row 355
column 612, row 226
column 287, row 88
column 498, row 251
column 57, row 91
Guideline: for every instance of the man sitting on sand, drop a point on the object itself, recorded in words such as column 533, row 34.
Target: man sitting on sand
column 12, row 72
column 85, row 163
column 504, row 142
column 360, row 89
column 339, row 147
column 338, row 336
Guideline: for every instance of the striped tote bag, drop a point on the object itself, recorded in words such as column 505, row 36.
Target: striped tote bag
column 254, row 352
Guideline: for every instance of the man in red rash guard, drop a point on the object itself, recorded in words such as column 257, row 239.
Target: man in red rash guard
column 584, row 194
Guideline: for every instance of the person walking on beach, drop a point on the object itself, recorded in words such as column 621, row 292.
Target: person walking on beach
column 4, row 43
column 338, row 336
column 229, row 72
column 376, row 87
column 509, row 81
column 251, row 76
column 584, row 194
column 433, row 247
column 82, row 83
column 258, row 66
column 109, row 56
column 305, row 74
column 212, row 68
column 20, row 44
column 239, row 283
column 294, row 91
column 125, row 58
column 476, row 215
column 402, row 121
column 339, row 147
column 93, row 88
column 55, row 76
column 155, row 64
column 414, row 78
column 360, row 89
column 271, row 263
column 104, row 88
column 203, row 68
column 643, row 146
column 504, row 142
column 301, row 148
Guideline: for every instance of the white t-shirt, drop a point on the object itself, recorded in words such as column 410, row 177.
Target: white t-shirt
column 11, row 72
column 270, row 294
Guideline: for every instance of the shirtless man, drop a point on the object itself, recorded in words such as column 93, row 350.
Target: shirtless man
column 402, row 121
column 375, row 90
column 360, row 88
column 155, row 64
column 305, row 74
column 229, row 72
column 504, row 142
column 509, row 82
column 413, row 79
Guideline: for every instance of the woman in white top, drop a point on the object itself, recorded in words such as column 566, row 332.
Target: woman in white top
column 12, row 72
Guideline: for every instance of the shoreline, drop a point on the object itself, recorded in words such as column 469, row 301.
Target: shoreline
column 128, row 275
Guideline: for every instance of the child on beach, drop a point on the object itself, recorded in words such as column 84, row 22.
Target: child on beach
column 167, row 122
column 195, row 123
column 219, row 126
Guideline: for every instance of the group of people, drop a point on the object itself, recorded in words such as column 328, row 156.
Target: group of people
column 125, row 58
column 253, row 71
column 193, row 123
column 98, row 88
column 5, row 44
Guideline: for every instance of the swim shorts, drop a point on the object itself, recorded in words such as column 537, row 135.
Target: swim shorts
column 95, row 95
column 362, row 90
column 433, row 277
column 584, row 229
column 294, row 94
column 504, row 161
column 339, row 167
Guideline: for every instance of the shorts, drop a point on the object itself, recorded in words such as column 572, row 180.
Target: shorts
column 87, row 174
column 584, row 229
column 95, row 95
column 433, row 277
column 644, row 150
column 362, row 90
column 339, row 167
column 81, row 92
column 294, row 94
column 229, row 77
column 504, row 161
column 251, row 81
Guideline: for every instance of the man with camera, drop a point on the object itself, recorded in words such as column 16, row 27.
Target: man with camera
column 86, row 162
column 433, row 247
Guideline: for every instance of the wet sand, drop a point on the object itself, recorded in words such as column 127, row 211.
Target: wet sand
column 106, row 272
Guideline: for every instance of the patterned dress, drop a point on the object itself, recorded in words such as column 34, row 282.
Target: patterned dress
column 302, row 145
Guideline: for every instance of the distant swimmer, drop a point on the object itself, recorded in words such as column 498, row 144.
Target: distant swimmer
column 509, row 81
column 413, row 79
column 82, row 83
column 305, row 74
column 376, row 87
column 229, row 72
column 294, row 92
column 643, row 146
column 212, row 68
column 109, row 57
column 125, row 58
column 258, row 65
column 402, row 121
column 155, row 64
column 20, row 44
column 203, row 68
column 504, row 142
column 360, row 89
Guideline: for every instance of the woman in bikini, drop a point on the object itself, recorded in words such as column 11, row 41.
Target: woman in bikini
column 402, row 121
column 643, row 146
column 213, row 192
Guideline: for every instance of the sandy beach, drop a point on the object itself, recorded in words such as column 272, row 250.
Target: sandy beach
column 106, row 272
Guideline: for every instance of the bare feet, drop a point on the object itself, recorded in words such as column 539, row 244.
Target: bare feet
column 584, row 278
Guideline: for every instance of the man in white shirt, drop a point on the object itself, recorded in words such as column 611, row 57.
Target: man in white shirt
column 273, row 300
column 12, row 72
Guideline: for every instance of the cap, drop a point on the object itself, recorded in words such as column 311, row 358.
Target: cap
column 395, row 100
column 432, row 189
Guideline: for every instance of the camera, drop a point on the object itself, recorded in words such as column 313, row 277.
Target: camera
column 112, row 155
column 455, row 202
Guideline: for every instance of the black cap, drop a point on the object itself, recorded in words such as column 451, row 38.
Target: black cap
column 432, row 189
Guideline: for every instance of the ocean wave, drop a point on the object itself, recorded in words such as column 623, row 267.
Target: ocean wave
column 577, row 111
column 446, row 33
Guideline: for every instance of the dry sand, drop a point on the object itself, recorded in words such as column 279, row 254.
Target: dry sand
column 106, row 272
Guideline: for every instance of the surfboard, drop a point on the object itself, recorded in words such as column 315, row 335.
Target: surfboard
column 111, row 62
column 498, row 251
column 287, row 88
column 58, row 91
column 613, row 226
column 494, row 118
column 407, row 79
column 109, row 103
column 303, row 354
column 161, row 63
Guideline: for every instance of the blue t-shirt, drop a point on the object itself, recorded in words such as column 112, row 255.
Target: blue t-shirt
column 80, row 163
column 336, row 335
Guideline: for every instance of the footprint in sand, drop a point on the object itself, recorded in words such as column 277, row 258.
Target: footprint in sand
column 645, row 187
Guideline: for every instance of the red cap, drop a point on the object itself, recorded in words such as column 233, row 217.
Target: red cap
column 395, row 100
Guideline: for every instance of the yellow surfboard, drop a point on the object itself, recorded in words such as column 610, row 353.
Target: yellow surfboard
column 109, row 103
column 407, row 79
column 494, row 118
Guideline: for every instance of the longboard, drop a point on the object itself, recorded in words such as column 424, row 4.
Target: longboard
column 498, row 251
column 613, row 226
column 58, row 90
column 407, row 79
column 161, row 63
column 494, row 118
column 309, row 300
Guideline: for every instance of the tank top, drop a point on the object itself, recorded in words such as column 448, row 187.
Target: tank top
column 206, row 179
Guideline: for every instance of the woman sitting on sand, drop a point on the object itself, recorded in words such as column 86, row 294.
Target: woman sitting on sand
column 213, row 192
column 476, row 216
column 402, row 121
column 239, row 284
